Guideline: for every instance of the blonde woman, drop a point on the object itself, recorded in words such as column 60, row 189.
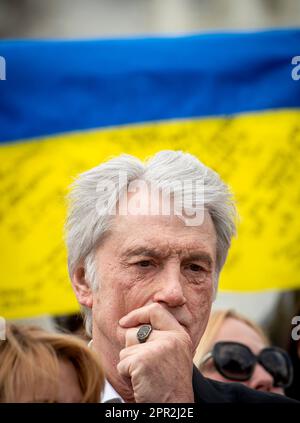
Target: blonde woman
column 39, row 366
column 234, row 349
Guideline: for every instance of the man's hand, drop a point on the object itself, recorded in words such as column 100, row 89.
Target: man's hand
column 161, row 368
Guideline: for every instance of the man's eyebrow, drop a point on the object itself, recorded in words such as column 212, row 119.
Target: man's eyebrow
column 204, row 257
column 152, row 252
column 142, row 251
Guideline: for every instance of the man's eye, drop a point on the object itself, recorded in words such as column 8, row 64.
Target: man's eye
column 195, row 267
column 144, row 263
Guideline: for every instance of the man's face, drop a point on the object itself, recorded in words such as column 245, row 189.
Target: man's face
column 148, row 259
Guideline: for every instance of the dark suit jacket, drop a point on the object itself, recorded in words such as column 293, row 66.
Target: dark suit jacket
column 211, row 391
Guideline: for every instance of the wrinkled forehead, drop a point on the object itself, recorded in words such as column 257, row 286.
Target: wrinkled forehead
column 162, row 235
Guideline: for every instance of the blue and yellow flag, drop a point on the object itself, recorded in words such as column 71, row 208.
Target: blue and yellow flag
column 231, row 99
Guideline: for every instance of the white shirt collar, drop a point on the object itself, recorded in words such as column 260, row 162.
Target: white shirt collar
column 109, row 393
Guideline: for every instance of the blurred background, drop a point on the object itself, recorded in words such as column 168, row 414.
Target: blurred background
column 77, row 19
column 111, row 18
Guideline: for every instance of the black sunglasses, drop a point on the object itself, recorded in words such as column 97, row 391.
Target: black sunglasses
column 236, row 361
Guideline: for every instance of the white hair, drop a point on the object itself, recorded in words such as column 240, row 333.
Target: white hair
column 86, row 227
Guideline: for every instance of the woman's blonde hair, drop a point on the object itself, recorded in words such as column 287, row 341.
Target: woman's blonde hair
column 215, row 322
column 30, row 355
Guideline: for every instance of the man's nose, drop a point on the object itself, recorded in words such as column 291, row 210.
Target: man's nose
column 170, row 287
column 261, row 380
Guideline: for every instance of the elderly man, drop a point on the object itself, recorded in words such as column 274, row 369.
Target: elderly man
column 145, row 264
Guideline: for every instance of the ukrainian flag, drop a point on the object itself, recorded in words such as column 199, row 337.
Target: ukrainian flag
column 231, row 99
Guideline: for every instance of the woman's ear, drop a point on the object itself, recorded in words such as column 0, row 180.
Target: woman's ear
column 82, row 287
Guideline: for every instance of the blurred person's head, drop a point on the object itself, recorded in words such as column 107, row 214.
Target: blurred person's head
column 235, row 349
column 39, row 366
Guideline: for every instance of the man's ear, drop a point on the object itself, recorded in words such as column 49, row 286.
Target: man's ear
column 81, row 287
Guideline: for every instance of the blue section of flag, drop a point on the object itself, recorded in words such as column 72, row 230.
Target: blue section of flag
column 59, row 86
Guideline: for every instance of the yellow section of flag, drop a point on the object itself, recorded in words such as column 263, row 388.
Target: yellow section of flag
column 256, row 154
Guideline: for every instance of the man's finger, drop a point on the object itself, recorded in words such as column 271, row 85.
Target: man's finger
column 124, row 367
column 131, row 336
column 155, row 314
column 128, row 351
